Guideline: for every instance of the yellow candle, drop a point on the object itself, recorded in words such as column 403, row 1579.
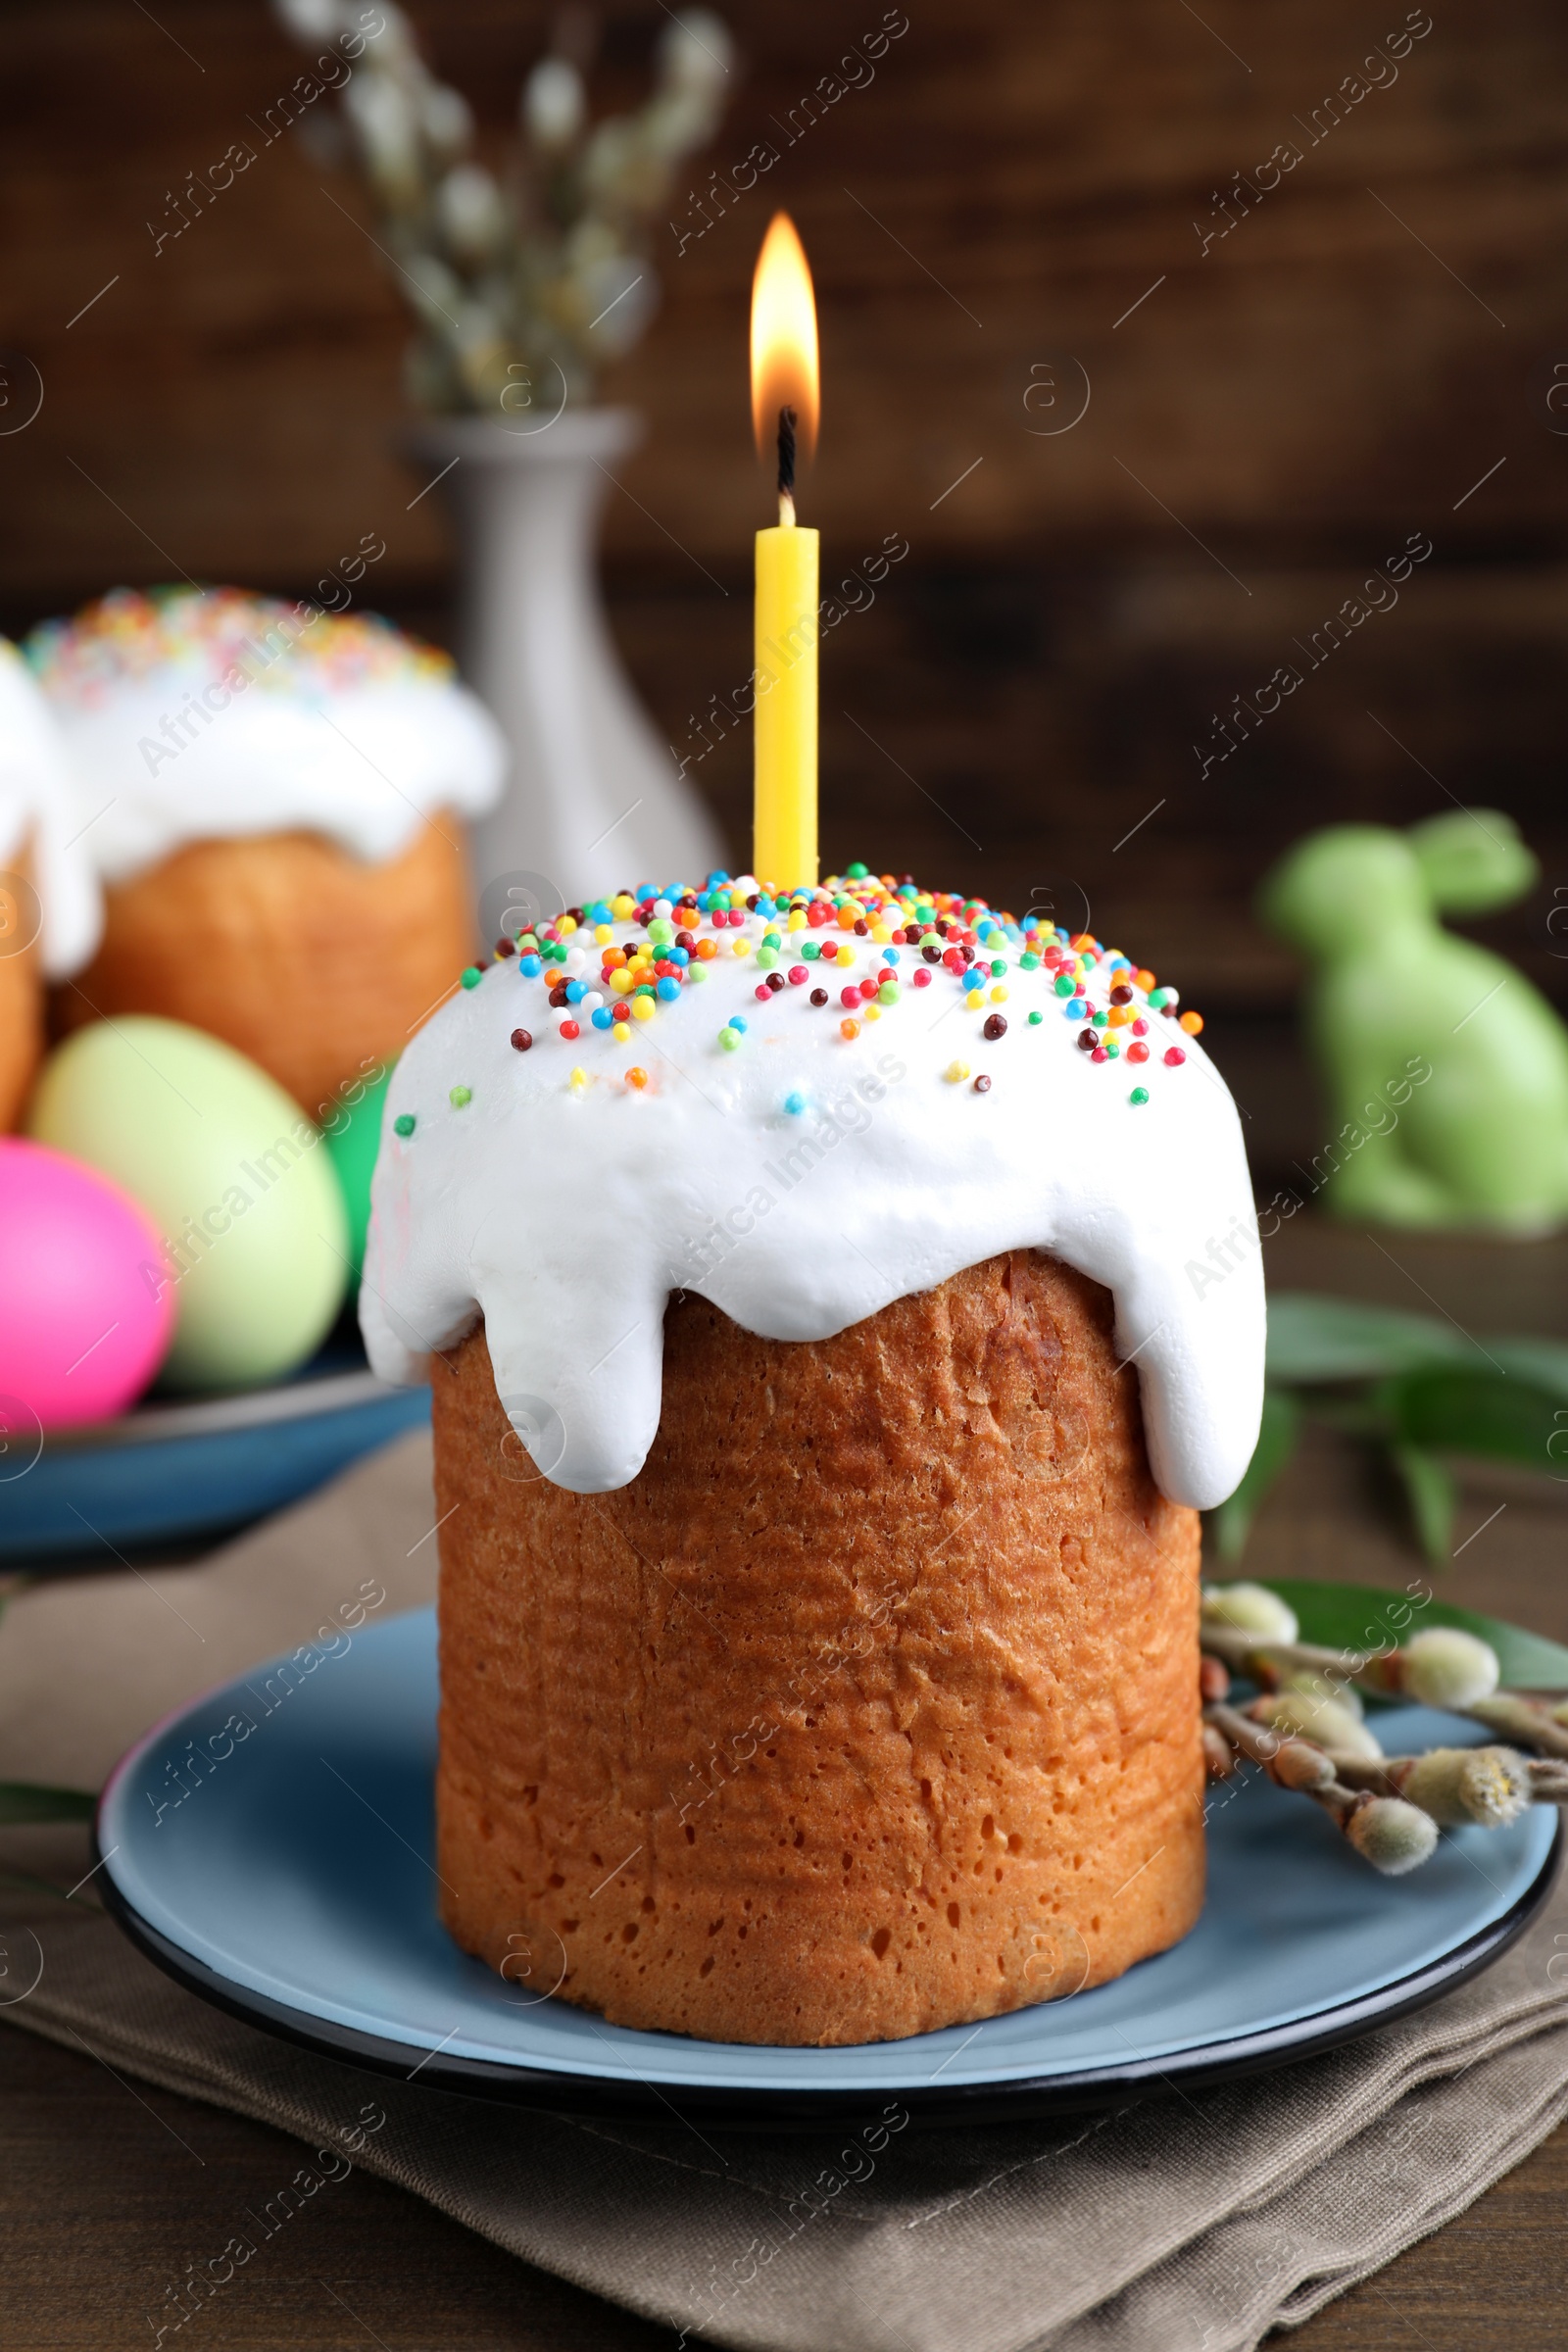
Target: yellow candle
column 785, row 398
column 784, row 816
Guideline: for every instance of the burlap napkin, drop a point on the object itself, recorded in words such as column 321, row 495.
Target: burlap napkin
column 1192, row 2222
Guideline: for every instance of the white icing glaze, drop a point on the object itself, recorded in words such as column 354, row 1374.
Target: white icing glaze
column 565, row 1209
column 38, row 815
column 192, row 718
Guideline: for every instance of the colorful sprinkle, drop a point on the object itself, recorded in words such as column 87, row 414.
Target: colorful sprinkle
column 460, row 1095
column 404, row 1124
column 126, row 635
column 616, row 961
column 1139, row 1094
column 637, row 1078
column 982, row 1085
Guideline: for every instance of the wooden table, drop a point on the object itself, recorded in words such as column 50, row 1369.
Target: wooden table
column 107, row 2189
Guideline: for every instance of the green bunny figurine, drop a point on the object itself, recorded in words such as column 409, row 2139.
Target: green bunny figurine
column 1447, row 1071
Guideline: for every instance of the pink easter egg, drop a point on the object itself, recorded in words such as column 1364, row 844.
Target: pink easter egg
column 85, row 1317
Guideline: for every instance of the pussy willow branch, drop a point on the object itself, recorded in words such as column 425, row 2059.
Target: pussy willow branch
column 1390, row 1832
column 1263, row 1661
column 1290, row 1762
column 1386, row 1775
column 1525, row 1720
column 1530, row 1721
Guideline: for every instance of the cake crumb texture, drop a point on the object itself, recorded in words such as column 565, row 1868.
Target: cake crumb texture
column 868, row 1707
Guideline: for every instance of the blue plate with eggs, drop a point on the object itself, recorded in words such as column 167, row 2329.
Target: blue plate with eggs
column 293, row 1884
column 172, row 1473
column 178, row 1472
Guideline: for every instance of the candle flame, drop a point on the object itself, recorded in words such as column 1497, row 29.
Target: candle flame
column 784, row 372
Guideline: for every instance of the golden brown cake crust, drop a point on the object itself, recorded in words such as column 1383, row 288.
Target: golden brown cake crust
column 870, row 1706
column 302, row 955
column 21, row 994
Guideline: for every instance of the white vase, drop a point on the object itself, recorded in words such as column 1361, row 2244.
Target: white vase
column 593, row 801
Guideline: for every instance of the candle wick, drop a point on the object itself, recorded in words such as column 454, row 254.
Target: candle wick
column 786, row 466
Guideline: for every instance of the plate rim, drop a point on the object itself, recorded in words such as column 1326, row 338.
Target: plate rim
column 624, row 2098
column 623, row 2093
column 159, row 1421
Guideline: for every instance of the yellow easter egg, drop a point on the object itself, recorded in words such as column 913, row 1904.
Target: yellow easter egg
column 235, row 1178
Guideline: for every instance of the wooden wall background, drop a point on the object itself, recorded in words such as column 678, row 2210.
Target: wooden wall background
column 1371, row 340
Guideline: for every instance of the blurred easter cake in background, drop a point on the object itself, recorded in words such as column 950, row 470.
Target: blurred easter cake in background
column 274, row 799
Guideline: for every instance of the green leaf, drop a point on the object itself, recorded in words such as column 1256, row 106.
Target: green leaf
column 1544, row 1364
column 1432, row 1495
column 1276, row 1442
column 1363, row 1616
column 1312, row 1338
column 23, row 1801
column 1481, row 1413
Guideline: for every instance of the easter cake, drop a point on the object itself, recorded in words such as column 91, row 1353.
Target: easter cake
column 275, row 798
column 823, row 1401
column 49, row 910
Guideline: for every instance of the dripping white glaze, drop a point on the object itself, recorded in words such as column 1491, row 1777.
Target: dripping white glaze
column 38, row 820
column 193, row 717
column 562, row 1202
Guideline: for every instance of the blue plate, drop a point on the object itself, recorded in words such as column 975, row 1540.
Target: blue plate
column 293, row 1884
column 171, row 1472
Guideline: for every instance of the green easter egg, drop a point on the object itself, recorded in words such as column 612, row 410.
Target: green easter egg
column 353, row 1138
column 231, row 1170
